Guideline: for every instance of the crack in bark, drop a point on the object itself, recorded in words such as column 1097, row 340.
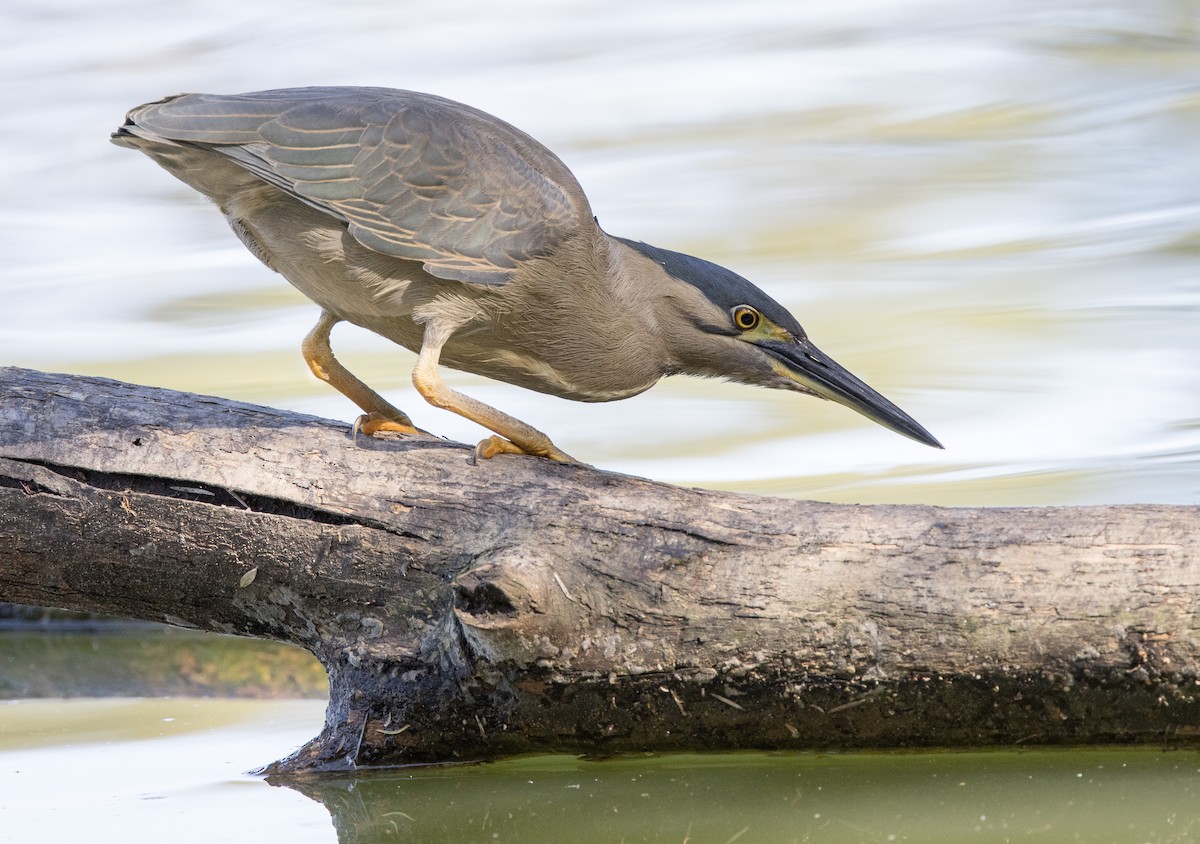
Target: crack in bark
column 195, row 492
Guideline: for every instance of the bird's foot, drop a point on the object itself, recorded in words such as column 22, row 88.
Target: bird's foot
column 372, row 423
column 495, row 444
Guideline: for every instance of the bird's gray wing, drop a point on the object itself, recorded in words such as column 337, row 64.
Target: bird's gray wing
column 413, row 175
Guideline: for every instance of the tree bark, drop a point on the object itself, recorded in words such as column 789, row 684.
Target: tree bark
column 471, row 611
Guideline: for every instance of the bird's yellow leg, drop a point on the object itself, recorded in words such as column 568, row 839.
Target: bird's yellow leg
column 515, row 436
column 379, row 413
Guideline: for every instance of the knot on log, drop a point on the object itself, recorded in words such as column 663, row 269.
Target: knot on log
column 513, row 607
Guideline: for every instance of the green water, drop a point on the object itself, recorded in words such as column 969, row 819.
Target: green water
column 152, row 661
column 1095, row 795
column 131, row 769
column 148, row 770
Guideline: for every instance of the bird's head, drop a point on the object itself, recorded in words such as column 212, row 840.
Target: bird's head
column 717, row 324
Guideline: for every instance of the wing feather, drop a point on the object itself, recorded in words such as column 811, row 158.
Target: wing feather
column 412, row 175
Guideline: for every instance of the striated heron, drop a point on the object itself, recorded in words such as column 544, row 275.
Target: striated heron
column 458, row 236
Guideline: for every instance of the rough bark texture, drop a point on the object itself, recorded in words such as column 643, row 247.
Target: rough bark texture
column 470, row 611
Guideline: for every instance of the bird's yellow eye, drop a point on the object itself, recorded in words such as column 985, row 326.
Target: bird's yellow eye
column 745, row 317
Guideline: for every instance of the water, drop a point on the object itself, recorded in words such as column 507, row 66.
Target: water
column 987, row 210
column 951, row 798
column 117, row 770
column 151, row 660
column 156, row 770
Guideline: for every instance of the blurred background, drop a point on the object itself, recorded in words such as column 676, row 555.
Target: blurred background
column 987, row 210
column 990, row 211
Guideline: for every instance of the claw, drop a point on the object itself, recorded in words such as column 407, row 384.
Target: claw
column 494, row 445
column 372, row 423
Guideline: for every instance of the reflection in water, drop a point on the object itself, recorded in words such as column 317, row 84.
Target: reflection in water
column 1118, row 795
column 130, row 770
column 153, row 661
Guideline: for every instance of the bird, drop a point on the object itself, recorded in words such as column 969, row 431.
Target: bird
column 458, row 236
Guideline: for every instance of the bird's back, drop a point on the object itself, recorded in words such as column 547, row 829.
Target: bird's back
column 411, row 175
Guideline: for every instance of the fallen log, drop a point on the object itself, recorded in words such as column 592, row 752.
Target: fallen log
column 472, row 611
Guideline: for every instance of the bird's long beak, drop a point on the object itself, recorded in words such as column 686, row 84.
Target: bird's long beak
column 814, row 371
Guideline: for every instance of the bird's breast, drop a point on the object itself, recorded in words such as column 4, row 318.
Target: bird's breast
column 535, row 372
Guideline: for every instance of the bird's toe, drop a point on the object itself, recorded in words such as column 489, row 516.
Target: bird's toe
column 496, row 444
column 372, row 423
